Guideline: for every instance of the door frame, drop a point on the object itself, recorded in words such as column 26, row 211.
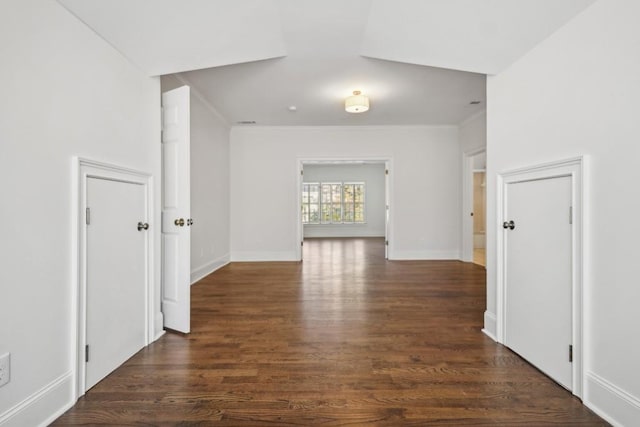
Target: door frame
column 83, row 169
column 388, row 163
column 573, row 168
column 467, row 202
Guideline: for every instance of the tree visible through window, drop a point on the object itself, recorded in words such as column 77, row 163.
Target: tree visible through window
column 332, row 202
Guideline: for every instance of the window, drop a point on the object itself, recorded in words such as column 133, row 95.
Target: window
column 332, row 202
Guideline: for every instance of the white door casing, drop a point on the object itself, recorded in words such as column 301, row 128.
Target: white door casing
column 540, row 267
column 98, row 244
column 116, row 276
column 176, row 217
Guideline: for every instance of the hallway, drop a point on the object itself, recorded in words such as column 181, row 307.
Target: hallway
column 344, row 337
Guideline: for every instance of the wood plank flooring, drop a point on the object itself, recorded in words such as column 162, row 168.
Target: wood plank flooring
column 343, row 338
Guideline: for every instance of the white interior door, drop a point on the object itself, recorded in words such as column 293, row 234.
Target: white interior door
column 176, row 208
column 538, row 274
column 116, row 275
column 386, row 209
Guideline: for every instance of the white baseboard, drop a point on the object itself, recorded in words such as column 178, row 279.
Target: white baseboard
column 42, row 407
column 159, row 325
column 204, row 270
column 610, row 402
column 490, row 323
column 263, row 256
column 424, row 255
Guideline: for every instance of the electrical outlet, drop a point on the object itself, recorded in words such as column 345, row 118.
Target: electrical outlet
column 5, row 368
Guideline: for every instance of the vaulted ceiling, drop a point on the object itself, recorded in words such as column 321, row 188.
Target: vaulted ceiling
column 420, row 61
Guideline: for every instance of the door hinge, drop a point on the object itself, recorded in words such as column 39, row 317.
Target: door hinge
column 570, row 353
column 161, row 119
column 570, row 214
column 88, row 216
column 301, row 172
column 301, row 243
column 386, row 243
column 386, row 171
column 86, row 353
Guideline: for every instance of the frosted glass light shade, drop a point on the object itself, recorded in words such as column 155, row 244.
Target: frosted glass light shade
column 357, row 103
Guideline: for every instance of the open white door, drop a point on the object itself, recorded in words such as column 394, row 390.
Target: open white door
column 386, row 210
column 176, row 218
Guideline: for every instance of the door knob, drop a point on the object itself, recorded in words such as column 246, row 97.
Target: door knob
column 179, row 222
column 510, row 225
column 143, row 226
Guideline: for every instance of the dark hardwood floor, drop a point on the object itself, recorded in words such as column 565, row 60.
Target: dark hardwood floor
column 344, row 338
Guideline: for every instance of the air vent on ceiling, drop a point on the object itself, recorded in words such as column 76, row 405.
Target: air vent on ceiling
column 475, row 102
column 246, row 122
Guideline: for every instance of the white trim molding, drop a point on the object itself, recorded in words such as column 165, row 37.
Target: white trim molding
column 490, row 325
column 604, row 398
column 203, row 271
column 575, row 169
column 43, row 406
column 425, row 255
column 260, row 256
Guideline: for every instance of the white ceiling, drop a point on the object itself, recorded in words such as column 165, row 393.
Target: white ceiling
column 420, row 61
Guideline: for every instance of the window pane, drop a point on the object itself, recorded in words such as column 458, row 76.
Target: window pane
column 359, row 192
column 348, row 193
column 348, row 213
column 326, row 213
column 336, row 193
column 359, row 212
column 314, row 193
column 337, row 214
column 326, row 193
column 314, row 213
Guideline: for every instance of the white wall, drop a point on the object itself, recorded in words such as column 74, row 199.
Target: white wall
column 209, row 184
column 65, row 93
column 577, row 94
column 473, row 132
column 373, row 177
column 425, row 186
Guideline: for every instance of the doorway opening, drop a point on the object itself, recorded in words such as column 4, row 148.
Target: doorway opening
column 474, row 206
column 479, row 216
column 342, row 199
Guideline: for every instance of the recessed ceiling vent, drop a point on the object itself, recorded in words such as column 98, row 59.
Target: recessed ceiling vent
column 246, row 122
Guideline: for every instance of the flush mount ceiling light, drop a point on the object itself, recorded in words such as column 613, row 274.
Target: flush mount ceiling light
column 357, row 103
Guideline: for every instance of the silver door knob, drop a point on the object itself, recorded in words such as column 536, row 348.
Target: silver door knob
column 143, row 226
column 179, row 222
column 510, row 225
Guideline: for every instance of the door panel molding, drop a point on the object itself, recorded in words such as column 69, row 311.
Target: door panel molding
column 84, row 169
column 176, row 210
column 574, row 168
